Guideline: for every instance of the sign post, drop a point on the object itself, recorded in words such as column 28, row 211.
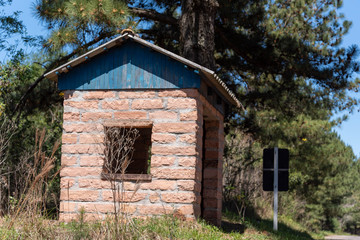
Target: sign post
column 276, row 175
column 276, row 170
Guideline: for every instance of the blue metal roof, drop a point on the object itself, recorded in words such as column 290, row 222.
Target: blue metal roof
column 129, row 66
column 143, row 65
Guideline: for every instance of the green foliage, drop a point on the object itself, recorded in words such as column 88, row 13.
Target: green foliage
column 289, row 109
column 331, row 173
column 80, row 228
column 10, row 26
column 351, row 208
column 323, row 174
column 73, row 23
column 43, row 110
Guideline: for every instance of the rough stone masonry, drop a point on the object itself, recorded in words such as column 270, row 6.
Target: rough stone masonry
column 187, row 142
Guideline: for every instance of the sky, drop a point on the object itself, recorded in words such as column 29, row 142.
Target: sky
column 349, row 131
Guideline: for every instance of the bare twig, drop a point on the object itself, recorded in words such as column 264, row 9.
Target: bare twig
column 119, row 148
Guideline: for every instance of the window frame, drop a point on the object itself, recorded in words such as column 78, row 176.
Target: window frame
column 127, row 176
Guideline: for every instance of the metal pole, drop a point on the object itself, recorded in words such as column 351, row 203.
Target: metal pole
column 276, row 170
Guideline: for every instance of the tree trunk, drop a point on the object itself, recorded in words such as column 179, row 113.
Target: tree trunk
column 197, row 31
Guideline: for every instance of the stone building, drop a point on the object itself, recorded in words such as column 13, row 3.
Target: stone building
column 178, row 108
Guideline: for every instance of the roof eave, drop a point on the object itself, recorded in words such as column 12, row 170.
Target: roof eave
column 53, row 74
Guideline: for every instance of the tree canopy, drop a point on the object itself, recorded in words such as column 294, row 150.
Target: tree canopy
column 274, row 54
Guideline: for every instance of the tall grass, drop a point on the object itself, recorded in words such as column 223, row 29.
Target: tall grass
column 32, row 201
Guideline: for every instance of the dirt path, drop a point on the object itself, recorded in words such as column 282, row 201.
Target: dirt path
column 334, row 237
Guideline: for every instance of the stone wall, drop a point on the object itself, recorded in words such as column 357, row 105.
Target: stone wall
column 212, row 164
column 176, row 168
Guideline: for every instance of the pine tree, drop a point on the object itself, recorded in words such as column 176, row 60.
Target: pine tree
column 10, row 26
column 276, row 55
column 264, row 49
column 81, row 23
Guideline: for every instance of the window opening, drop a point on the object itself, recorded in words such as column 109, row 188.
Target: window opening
column 127, row 150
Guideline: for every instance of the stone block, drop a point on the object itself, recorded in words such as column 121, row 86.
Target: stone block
column 178, row 197
column 79, row 195
column 67, row 183
column 163, row 138
column 95, row 116
column 82, row 104
column 130, row 115
column 188, row 116
column 91, row 161
column 158, row 161
column 187, row 161
column 168, row 173
column 175, row 127
column 115, row 105
column 99, row 94
column 123, row 196
column 173, row 150
column 68, row 160
column 162, row 185
column 71, row 116
column 83, row 127
column 154, row 209
column 91, row 138
column 80, row 171
column 137, row 94
column 181, row 103
column 163, row 115
column 147, row 104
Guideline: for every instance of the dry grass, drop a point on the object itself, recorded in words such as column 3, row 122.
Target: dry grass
column 40, row 172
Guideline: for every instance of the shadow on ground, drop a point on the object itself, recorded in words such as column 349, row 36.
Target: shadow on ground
column 253, row 223
column 228, row 227
column 265, row 227
column 284, row 231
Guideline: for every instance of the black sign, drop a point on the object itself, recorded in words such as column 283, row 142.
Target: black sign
column 268, row 169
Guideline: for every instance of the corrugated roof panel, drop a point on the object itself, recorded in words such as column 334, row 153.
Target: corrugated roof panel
column 129, row 67
column 146, row 78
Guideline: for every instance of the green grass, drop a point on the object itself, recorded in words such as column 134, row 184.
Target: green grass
column 165, row 227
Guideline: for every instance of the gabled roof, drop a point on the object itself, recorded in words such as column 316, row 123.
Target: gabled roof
column 207, row 73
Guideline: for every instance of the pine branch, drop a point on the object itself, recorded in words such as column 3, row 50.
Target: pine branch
column 154, row 15
column 150, row 14
column 52, row 65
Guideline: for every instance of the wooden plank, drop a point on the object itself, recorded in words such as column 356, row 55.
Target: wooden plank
column 128, row 123
column 105, row 64
column 111, row 71
column 126, row 177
